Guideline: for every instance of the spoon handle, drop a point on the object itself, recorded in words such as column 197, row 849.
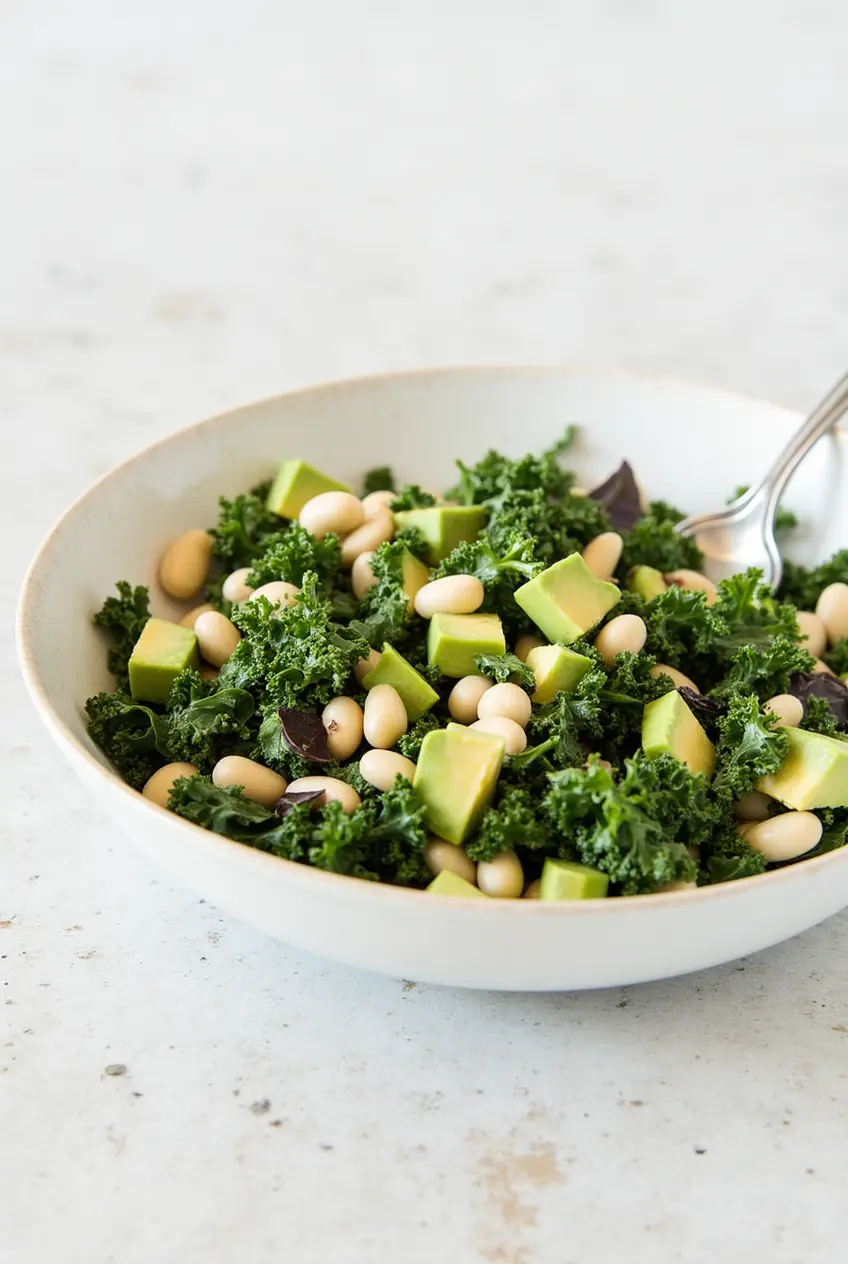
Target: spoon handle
column 823, row 417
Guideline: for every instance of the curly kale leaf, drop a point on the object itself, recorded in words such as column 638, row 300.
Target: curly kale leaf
column 412, row 497
column 245, row 526
column 293, row 553
column 513, row 825
column 763, row 670
column 561, row 726
column 746, row 613
column 678, row 799
column 748, row 748
column 378, row 479
column 558, row 527
column 134, row 737
column 383, row 839
column 124, row 617
column 500, row 571
column 497, row 474
column 201, row 714
column 386, row 613
column 802, row 586
column 837, row 656
column 726, row 856
column 504, row 667
column 677, row 624
column 410, row 743
column 655, row 542
column 819, row 718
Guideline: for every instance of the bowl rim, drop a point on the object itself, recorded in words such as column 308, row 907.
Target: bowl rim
column 309, row 875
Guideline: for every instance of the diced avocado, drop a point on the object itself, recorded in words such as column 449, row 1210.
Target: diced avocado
column 161, row 652
column 646, row 582
column 295, row 483
column 555, row 669
column 444, row 526
column 417, row 695
column 814, row 773
column 567, row 600
column 414, row 576
column 669, row 727
column 448, row 883
column 454, row 639
column 564, row 880
column 455, row 778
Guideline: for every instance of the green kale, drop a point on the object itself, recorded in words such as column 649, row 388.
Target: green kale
column 677, row 623
column 727, row 856
column 803, row 586
column 669, row 793
column 201, row 714
column 655, row 542
column 385, row 608
column 748, row 748
column 412, row 497
column 558, row 527
column 413, row 540
column 133, row 736
column 504, row 667
column 496, row 474
column 293, row 553
column 745, row 613
column 563, row 725
column 222, row 809
column 785, row 519
column 499, row 571
column 514, row 824
column 410, row 744
column 763, row 670
column 378, row 479
column 819, row 718
column 382, row 839
column 270, row 749
column 245, row 528
column 123, row 617
column 837, row 657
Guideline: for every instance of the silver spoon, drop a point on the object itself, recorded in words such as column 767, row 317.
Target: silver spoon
column 742, row 535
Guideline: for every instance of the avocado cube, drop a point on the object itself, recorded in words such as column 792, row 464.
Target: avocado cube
column 161, row 652
column 567, row 600
column 455, row 777
column 414, row 575
column 448, row 883
column 444, row 526
column 646, row 582
column 556, row 668
column 669, row 727
column 813, row 775
column 296, row 483
column 453, row 640
column 416, row 694
column 564, row 880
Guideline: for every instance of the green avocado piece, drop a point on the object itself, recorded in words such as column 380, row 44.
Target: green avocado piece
column 669, row 727
column 813, row 775
column 455, row 777
column 444, row 526
column 453, row 640
column 416, row 694
column 294, row 484
column 159, row 655
column 555, row 668
column 414, row 575
column 567, row 600
column 447, row 883
column 564, row 880
column 646, row 582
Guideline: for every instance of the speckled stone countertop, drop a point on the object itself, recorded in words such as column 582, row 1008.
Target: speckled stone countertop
column 207, row 203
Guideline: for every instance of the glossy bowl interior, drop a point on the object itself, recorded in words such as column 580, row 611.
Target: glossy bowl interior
column 689, row 444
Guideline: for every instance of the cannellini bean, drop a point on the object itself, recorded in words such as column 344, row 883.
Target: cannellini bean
column 454, row 594
column 374, row 531
column 184, row 568
column 335, row 791
column 788, row 709
column 440, row 855
column 189, row 620
column 343, row 720
column 694, row 581
column 259, row 783
column 465, row 696
column 786, row 836
column 811, row 632
column 525, row 644
column 534, row 890
column 362, row 578
column 385, row 716
column 278, row 592
column 832, row 609
column 681, row 681
column 603, row 554
column 235, row 589
column 755, row 806
column 158, row 787
column 339, row 512
column 499, row 726
column 380, row 767
column 365, row 666
column 375, row 501
column 626, row 632
column 216, row 636
column 501, row 877
column 507, row 700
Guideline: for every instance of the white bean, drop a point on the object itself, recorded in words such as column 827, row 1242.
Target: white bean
column 788, row 709
column 534, row 890
column 694, row 581
column 385, row 716
column 454, row 594
column 189, row 620
column 755, row 806
column 786, row 836
column 507, row 700
column 603, row 554
column 343, row 720
column 235, row 589
column 339, row 512
column 440, row 855
column 465, row 696
column 832, row 609
column 380, row 767
column 278, row 592
column 259, row 783
column 626, row 632
column 158, row 787
column 362, row 578
column 335, row 791
column 501, row 877
column 498, row 725
column 364, row 666
column 811, row 632
column 375, row 501
column 374, row 531
column 680, row 680
column 821, row 668
column 525, row 644
column 216, row 636
column 184, row 568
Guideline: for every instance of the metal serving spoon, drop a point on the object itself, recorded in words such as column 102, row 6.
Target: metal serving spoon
column 742, row 535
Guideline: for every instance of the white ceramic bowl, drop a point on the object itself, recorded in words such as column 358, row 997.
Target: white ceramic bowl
column 689, row 445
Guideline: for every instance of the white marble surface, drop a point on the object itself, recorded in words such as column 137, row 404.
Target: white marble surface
column 206, row 203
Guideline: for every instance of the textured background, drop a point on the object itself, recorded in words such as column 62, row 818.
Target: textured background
column 202, row 204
